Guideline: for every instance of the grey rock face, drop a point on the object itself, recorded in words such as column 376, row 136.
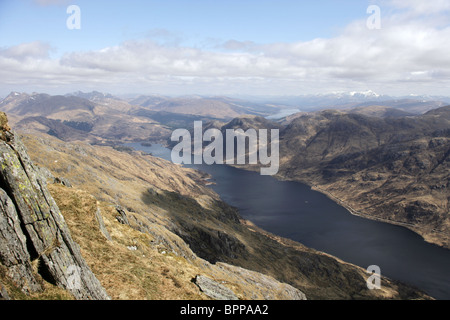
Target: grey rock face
column 63, row 181
column 122, row 217
column 46, row 173
column 213, row 289
column 3, row 293
column 269, row 287
column 32, row 223
column 13, row 247
column 101, row 223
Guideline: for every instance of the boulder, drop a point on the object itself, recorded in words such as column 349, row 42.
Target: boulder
column 213, row 289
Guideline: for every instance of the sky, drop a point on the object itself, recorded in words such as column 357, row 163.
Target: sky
column 225, row 47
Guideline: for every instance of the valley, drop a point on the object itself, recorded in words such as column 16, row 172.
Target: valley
column 201, row 156
column 379, row 162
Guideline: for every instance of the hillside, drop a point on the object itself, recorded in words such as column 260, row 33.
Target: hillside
column 200, row 107
column 101, row 120
column 414, row 104
column 380, row 111
column 395, row 169
column 209, row 107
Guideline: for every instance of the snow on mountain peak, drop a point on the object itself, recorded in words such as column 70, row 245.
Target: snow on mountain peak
column 367, row 94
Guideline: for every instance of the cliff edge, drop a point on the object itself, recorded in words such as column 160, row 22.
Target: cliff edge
column 35, row 241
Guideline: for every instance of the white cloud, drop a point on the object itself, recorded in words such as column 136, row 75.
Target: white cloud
column 406, row 49
column 32, row 50
column 421, row 7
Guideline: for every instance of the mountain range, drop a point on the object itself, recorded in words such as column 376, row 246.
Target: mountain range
column 102, row 118
column 416, row 104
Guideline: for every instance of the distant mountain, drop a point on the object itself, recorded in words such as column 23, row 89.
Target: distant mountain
column 39, row 104
column 203, row 107
column 97, row 116
column 408, row 105
column 74, row 118
column 380, row 111
column 372, row 111
column 416, row 104
column 92, row 96
column 253, row 108
column 172, row 120
column 210, row 107
column 147, row 101
column 250, row 122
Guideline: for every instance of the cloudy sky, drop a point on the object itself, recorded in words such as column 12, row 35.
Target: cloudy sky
column 232, row 47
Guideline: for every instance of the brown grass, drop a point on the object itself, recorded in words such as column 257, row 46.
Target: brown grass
column 126, row 275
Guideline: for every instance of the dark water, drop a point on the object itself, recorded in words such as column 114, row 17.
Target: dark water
column 294, row 211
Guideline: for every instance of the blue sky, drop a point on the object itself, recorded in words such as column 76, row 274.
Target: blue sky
column 224, row 47
column 196, row 23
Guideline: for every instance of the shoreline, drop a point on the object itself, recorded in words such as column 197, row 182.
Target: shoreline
column 429, row 238
column 414, row 228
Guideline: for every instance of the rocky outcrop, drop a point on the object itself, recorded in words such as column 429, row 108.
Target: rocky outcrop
column 122, row 217
column 63, row 181
column 269, row 288
column 211, row 244
column 213, row 289
column 34, row 237
column 3, row 293
column 13, row 247
column 101, row 224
